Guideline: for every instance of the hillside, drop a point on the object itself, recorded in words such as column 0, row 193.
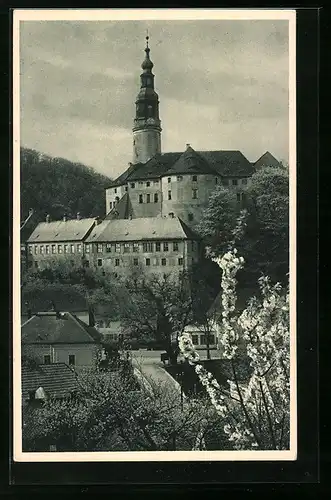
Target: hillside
column 56, row 186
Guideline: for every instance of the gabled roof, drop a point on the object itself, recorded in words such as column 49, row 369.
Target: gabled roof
column 70, row 230
column 228, row 163
column 58, row 380
column 155, row 167
column 266, row 160
column 58, row 328
column 149, row 228
column 191, row 162
column 122, row 210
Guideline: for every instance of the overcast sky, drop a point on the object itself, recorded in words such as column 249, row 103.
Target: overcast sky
column 221, row 84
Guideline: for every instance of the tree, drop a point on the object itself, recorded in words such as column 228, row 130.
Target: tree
column 156, row 308
column 110, row 412
column 255, row 414
column 263, row 236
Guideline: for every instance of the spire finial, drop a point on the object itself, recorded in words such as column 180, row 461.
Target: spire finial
column 147, row 38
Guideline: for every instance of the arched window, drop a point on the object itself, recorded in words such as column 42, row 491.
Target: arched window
column 150, row 110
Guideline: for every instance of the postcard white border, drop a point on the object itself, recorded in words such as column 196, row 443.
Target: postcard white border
column 149, row 14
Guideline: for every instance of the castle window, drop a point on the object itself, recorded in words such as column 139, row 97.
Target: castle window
column 234, row 182
column 87, row 248
column 59, row 249
column 180, row 261
column 179, row 178
column 148, row 198
column 36, row 249
column 118, row 248
column 108, row 247
column 239, row 198
column 41, row 249
column 99, row 262
column 150, row 107
column 66, row 248
column 79, row 248
column 136, row 247
column 169, row 180
column 111, row 205
column 53, row 248
column 126, row 188
column 30, row 249
column 156, row 197
column 99, row 248
column 225, row 182
column 171, row 215
column 148, row 183
column 194, row 194
column 169, row 195
column 141, row 198
column 135, row 261
column 244, row 181
column 87, row 263
column 117, row 200
column 115, row 190
column 165, row 246
column 190, row 217
column 47, row 249
column 216, row 180
column 36, row 265
column 148, row 247
column 133, row 185
column 164, row 262
column 157, row 246
column 195, row 339
column 126, row 247
column 175, row 246
column 117, row 262
column 148, row 262
column 72, row 248
column 194, row 178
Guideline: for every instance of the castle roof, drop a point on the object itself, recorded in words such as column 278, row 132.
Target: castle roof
column 70, row 230
column 149, row 228
column 266, row 160
column 223, row 163
column 122, row 210
column 58, row 328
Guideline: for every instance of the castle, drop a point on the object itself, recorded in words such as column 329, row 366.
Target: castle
column 152, row 207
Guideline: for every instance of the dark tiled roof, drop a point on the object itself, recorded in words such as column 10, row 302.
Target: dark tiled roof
column 266, row 160
column 58, row 380
column 65, row 328
column 70, row 230
column 123, row 209
column 228, row 163
column 65, row 298
column 141, row 229
column 224, row 163
column 191, row 162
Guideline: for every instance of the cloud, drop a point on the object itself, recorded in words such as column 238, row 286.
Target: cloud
column 222, row 85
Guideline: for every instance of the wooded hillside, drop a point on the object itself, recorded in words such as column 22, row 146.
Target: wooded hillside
column 56, row 186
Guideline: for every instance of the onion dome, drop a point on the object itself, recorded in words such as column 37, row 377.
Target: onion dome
column 147, row 64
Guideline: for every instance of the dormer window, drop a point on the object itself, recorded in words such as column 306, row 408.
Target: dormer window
column 194, row 178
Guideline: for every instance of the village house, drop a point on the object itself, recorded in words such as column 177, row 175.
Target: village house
column 61, row 337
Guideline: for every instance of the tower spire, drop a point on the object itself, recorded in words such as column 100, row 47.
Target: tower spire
column 147, row 125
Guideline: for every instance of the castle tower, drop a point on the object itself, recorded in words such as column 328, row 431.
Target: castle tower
column 147, row 124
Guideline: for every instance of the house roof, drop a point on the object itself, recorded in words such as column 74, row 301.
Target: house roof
column 266, row 160
column 70, row 230
column 224, row 163
column 58, row 380
column 148, row 228
column 65, row 298
column 58, row 328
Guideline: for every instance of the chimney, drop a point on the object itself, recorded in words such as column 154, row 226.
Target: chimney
column 78, row 216
column 188, row 145
column 65, row 218
column 48, row 218
column 91, row 317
